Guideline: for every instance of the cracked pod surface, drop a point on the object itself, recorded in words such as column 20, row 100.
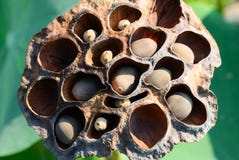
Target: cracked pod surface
column 127, row 75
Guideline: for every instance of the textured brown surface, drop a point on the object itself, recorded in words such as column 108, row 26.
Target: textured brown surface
column 146, row 128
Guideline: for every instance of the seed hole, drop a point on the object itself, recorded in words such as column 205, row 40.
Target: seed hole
column 85, row 23
column 198, row 113
column 81, row 87
column 94, row 56
column 68, row 126
column 112, row 122
column 139, row 96
column 125, row 74
column 122, row 13
column 58, row 54
column 166, row 13
column 148, row 125
column 146, row 41
column 197, row 43
column 43, row 96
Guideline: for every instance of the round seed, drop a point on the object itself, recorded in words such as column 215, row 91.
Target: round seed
column 144, row 47
column 183, row 52
column 106, row 56
column 66, row 129
column 124, row 79
column 181, row 105
column 100, row 124
column 89, row 35
column 84, row 89
column 122, row 103
column 159, row 77
column 123, row 24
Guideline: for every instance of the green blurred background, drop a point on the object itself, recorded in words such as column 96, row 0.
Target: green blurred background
column 20, row 19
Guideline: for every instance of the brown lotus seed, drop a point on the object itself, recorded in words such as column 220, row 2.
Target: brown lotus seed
column 84, row 89
column 106, row 57
column 100, row 124
column 124, row 80
column 181, row 105
column 122, row 103
column 66, row 129
column 144, row 47
column 123, row 24
column 159, row 77
column 89, row 35
column 183, row 52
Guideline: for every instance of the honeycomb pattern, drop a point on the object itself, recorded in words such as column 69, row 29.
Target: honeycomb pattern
column 123, row 75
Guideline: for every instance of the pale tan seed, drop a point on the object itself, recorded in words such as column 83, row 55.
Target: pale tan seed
column 159, row 77
column 145, row 47
column 66, row 129
column 123, row 24
column 180, row 104
column 100, row 124
column 124, row 79
column 106, row 57
column 184, row 52
column 89, row 35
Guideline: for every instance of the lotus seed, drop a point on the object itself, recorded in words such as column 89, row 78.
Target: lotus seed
column 181, row 105
column 123, row 24
column 66, row 129
column 122, row 103
column 106, row 57
column 100, row 124
column 183, row 52
column 85, row 88
column 145, row 47
column 159, row 77
column 124, row 80
column 89, row 35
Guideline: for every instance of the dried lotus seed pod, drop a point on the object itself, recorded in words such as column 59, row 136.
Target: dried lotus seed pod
column 66, row 129
column 181, row 105
column 124, row 80
column 120, row 75
column 144, row 47
column 89, row 35
column 100, row 124
column 106, row 57
column 123, row 24
column 183, row 52
column 159, row 77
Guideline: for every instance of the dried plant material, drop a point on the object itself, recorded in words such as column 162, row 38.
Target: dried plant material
column 123, row 75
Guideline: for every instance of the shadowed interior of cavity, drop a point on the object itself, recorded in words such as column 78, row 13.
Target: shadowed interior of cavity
column 43, row 97
column 166, row 13
column 148, row 125
column 58, row 54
